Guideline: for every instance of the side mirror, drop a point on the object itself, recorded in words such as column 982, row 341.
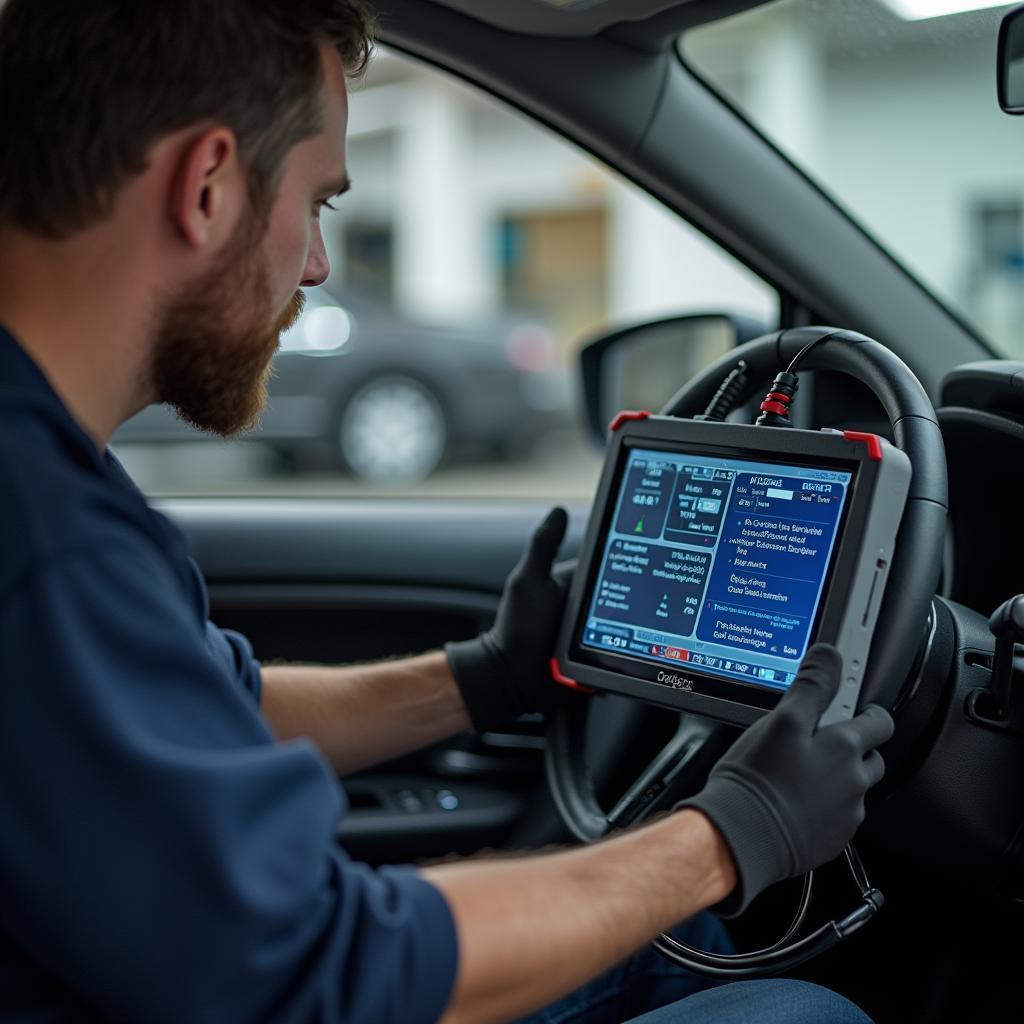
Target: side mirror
column 1010, row 62
column 642, row 367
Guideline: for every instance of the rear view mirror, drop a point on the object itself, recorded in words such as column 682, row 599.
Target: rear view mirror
column 1010, row 62
column 642, row 366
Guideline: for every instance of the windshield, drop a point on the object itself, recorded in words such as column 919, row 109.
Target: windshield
column 895, row 115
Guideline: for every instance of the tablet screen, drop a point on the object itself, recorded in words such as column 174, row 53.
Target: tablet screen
column 716, row 564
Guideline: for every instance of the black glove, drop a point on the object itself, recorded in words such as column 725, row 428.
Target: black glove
column 506, row 672
column 789, row 796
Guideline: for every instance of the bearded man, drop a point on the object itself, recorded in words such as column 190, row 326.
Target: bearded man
column 168, row 809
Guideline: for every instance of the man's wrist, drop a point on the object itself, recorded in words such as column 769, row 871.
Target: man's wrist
column 719, row 876
column 488, row 699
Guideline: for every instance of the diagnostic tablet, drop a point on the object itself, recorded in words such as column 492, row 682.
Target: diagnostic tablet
column 717, row 553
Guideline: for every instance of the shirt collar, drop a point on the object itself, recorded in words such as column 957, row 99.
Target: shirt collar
column 17, row 368
column 20, row 374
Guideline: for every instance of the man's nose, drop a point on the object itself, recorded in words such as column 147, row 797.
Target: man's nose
column 318, row 266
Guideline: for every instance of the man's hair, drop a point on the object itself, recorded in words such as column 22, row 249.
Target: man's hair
column 88, row 86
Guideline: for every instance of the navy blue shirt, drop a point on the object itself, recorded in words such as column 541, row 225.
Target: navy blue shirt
column 162, row 857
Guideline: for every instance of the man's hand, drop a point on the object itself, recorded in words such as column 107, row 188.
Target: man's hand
column 361, row 715
column 788, row 796
column 504, row 672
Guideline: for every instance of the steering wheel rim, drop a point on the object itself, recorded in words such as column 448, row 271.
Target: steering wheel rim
column 913, row 575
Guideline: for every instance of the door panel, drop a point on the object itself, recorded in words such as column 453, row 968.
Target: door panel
column 442, row 544
column 337, row 581
column 340, row 623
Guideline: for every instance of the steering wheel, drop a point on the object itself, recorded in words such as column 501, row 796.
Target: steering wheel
column 902, row 622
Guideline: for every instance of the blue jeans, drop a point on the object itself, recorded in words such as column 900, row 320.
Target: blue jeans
column 647, row 989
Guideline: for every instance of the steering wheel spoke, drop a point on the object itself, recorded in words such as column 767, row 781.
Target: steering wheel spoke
column 663, row 772
column 677, row 770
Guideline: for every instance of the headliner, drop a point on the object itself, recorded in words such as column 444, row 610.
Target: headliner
column 579, row 18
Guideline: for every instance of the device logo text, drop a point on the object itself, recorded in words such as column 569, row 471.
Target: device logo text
column 678, row 682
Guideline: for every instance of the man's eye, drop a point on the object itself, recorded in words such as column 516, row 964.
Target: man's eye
column 321, row 203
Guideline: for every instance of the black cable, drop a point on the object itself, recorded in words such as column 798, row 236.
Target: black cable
column 729, row 392
column 783, row 954
column 857, row 869
column 825, row 937
column 666, row 941
column 798, row 358
column 778, row 402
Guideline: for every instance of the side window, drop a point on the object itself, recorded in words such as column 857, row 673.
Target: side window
column 475, row 254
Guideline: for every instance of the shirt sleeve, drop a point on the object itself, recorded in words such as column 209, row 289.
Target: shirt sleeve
column 162, row 855
column 234, row 652
column 231, row 649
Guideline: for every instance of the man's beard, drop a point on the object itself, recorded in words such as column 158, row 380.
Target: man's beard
column 217, row 338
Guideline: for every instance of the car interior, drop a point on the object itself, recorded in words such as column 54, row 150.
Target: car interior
column 338, row 580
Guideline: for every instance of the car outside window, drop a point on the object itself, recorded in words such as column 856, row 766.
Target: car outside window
column 473, row 257
column 894, row 112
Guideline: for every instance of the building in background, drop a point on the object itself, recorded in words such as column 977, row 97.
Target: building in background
column 463, row 209
column 865, row 94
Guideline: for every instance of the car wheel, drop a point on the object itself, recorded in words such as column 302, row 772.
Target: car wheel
column 393, row 431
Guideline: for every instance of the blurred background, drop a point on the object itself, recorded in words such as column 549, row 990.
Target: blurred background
column 477, row 252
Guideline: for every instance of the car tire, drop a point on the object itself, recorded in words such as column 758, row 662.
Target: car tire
column 393, row 431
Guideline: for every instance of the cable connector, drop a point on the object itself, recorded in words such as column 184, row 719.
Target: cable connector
column 776, row 405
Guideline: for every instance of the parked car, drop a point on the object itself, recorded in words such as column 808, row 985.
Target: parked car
column 388, row 398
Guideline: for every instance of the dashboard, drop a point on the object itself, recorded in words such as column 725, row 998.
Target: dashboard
column 981, row 413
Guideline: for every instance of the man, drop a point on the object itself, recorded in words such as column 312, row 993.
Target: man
column 166, row 825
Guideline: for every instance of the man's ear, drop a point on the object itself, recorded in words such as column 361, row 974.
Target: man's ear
column 209, row 190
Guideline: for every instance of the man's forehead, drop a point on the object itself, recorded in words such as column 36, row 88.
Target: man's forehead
column 318, row 162
column 335, row 88
column 335, row 124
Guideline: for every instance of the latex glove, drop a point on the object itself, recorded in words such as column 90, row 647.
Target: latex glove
column 788, row 796
column 505, row 671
